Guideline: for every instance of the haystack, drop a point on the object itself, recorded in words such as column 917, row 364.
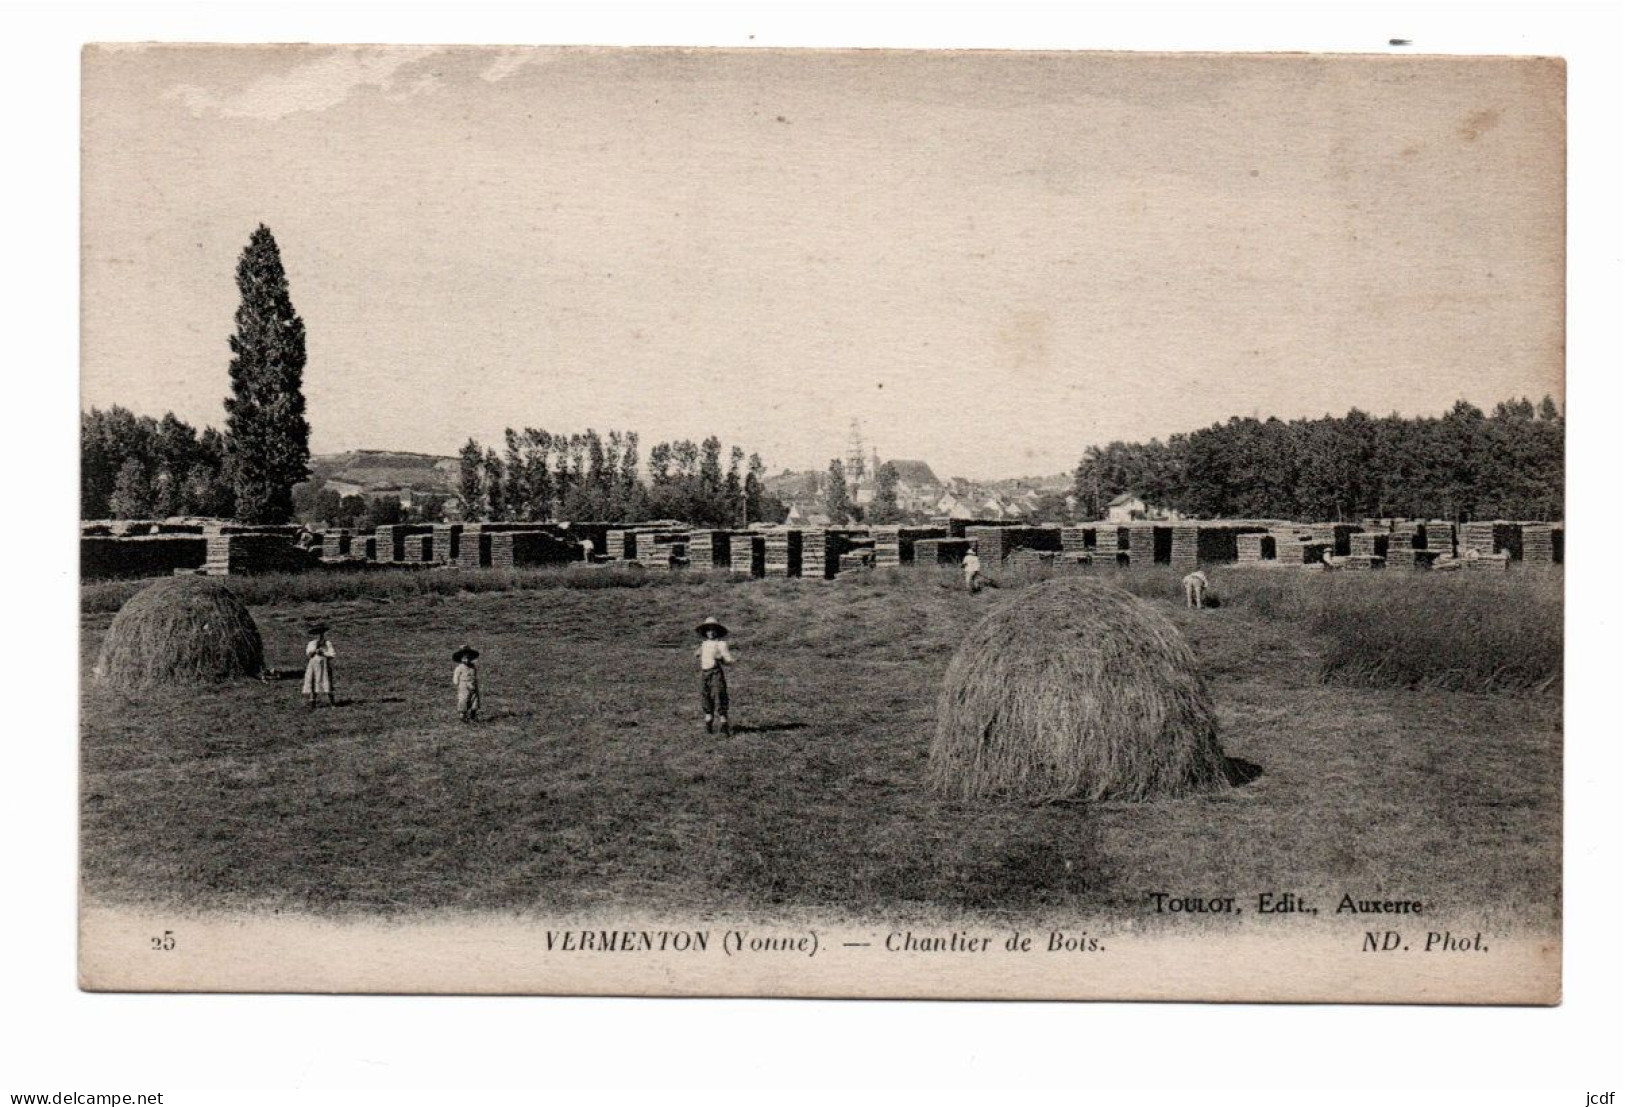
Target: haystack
column 180, row 631
column 1074, row 688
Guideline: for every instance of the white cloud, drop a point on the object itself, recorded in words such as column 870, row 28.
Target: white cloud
column 312, row 85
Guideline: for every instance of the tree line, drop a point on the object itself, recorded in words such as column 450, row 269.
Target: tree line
column 137, row 467
column 540, row 475
column 1460, row 465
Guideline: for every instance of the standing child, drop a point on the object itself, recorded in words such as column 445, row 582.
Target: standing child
column 318, row 667
column 714, row 657
column 466, row 679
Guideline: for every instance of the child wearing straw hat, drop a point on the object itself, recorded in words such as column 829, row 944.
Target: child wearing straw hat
column 714, row 657
column 466, row 679
column 318, row 667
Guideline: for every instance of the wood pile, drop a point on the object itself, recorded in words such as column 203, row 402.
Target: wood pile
column 888, row 546
column 1539, row 546
column 708, row 549
column 815, row 554
column 1023, row 559
column 782, row 552
column 1142, row 544
column 1439, row 536
column 103, row 557
column 1254, row 547
column 662, row 550
column 448, row 540
column 1402, row 556
column 940, row 551
column 239, row 553
column 747, row 554
column 526, row 549
column 392, row 540
column 1184, row 549
column 1487, row 562
column 1367, row 543
column 474, row 545
column 336, row 544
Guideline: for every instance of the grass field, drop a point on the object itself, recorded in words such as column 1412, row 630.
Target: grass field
column 1388, row 771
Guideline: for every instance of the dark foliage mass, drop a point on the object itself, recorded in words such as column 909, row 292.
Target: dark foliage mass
column 137, row 467
column 1461, row 465
column 267, row 437
column 541, row 475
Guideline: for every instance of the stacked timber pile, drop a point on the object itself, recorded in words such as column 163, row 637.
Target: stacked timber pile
column 959, row 528
column 909, row 537
column 1077, row 543
column 1299, row 551
column 1142, row 545
column 940, row 551
column 1439, row 537
column 474, row 544
column 1335, row 536
column 447, row 542
column 1023, row 559
column 392, row 540
column 1184, row 550
column 335, row 544
column 420, row 549
column 235, row 554
column 103, row 557
column 1254, row 548
column 747, row 554
column 1402, row 556
column 782, row 552
column 526, row 549
column 1111, row 544
column 661, row 550
column 365, row 548
column 815, row 554
column 619, row 545
column 992, row 543
column 1367, row 543
column 856, row 554
column 1481, row 562
column 888, row 546
column 597, row 534
column 1538, row 545
column 708, row 549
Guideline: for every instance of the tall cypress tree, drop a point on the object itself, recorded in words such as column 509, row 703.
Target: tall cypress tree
column 267, row 435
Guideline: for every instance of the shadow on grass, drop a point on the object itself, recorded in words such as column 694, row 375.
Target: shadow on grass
column 768, row 728
column 1241, row 772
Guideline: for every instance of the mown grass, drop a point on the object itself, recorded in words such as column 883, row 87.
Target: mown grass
column 1481, row 632
column 591, row 785
column 393, row 585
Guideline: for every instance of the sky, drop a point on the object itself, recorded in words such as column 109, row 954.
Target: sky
column 992, row 260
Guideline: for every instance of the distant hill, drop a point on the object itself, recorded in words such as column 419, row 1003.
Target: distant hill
column 387, row 469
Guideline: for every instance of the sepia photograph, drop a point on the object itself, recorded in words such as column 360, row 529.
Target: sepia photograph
column 976, row 524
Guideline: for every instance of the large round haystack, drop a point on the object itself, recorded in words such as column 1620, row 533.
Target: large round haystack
column 180, row 631
column 1073, row 688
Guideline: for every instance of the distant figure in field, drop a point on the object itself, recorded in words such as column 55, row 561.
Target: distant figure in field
column 1196, row 589
column 318, row 666
column 466, row 679
column 975, row 580
column 308, row 539
column 586, row 550
column 714, row 659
